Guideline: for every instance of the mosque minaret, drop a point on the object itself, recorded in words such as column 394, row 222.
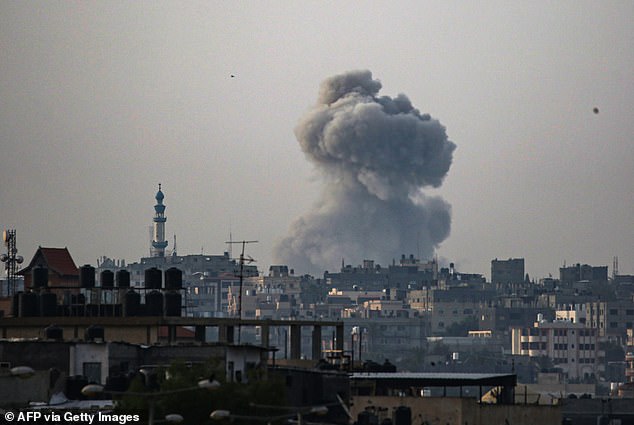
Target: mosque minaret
column 158, row 238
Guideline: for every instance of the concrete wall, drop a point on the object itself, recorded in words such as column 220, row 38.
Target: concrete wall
column 15, row 391
column 457, row 411
column 133, row 334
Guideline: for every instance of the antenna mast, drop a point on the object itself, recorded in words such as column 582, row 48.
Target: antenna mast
column 11, row 260
column 243, row 259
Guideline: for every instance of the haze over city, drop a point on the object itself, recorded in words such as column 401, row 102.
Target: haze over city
column 531, row 103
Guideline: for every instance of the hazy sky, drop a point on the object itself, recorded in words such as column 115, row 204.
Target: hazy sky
column 101, row 101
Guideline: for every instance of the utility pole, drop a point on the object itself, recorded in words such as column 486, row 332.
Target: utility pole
column 243, row 259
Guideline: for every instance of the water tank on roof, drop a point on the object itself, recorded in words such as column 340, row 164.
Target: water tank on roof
column 74, row 384
column 154, row 303
column 87, row 276
column 77, row 299
column 48, row 304
column 131, row 304
column 118, row 383
column 107, row 279
column 173, row 279
column 40, row 277
column 94, row 333
column 403, row 416
column 153, row 278
column 15, row 308
column 173, row 302
column 54, row 332
column 28, row 304
column 123, row 278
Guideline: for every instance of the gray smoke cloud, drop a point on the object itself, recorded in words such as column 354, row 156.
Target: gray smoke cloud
column 376, row 154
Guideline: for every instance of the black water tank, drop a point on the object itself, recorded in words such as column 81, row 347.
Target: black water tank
column 154, row 303
column 94, row 333
column 40, row 277
column 54, row 332
column 173, row 279
column 367, row 418
column 123, row 278
column 153, row 278
column 16, row 304
column 74, row 384
column 78, row 299
column 117, row 383
column 28, row 304
column 173, row 302
column 48, row 304
column 87, row 276
column 403, row 416
column 107, row 279
column 131, row 303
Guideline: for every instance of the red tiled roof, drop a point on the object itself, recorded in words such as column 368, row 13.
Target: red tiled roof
column 58, row 260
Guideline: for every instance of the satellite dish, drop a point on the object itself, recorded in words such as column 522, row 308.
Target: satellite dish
column 595, row 110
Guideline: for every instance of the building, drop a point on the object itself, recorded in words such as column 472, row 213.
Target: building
column 443, row 398
column 60, row 278
column 507, row 271
column 571, row 347
column 611, row 318
column 582, row 272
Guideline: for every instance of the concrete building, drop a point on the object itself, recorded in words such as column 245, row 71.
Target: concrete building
column 571, row 347
column 611, row 318
column 451, row 306
column 62, row 278
column 443, row 398
column 507, row 271
column 582, row 272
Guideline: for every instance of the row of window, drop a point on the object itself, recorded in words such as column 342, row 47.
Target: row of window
column 468, row 311
column 559, row 360
column 533, row 345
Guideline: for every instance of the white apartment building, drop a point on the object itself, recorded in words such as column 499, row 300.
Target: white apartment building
column 572, row 347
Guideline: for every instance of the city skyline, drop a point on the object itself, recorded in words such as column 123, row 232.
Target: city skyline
column 103, row 101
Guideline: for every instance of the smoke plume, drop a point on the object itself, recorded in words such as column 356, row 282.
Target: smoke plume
column 376, row 153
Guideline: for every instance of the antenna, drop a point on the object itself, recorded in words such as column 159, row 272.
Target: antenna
column 242, row 261
column 615, row 267
column 11, row 260
column 174, row 254
column 230, row 243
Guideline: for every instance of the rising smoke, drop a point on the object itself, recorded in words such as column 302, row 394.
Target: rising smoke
column 375, row 153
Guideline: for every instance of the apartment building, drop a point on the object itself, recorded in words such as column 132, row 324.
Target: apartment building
column 571, row 347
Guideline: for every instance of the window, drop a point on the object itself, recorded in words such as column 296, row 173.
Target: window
column 613, row 312
column 92, row 371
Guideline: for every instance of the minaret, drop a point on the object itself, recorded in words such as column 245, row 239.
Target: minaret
column 158, row 241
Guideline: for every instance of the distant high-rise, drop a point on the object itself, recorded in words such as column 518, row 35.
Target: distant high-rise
column 507, row 271
column 158, row 240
